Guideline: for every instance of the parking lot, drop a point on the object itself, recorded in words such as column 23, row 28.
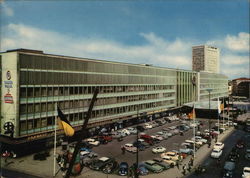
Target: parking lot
column 113, row 150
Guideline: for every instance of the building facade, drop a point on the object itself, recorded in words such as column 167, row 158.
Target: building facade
column 241, row 87
column 34, row 83
column 205, row 58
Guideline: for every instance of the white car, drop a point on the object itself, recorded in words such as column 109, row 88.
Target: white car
column 158, row 149
column 219, row 145
column 246, row 172
column 130, row 148
column 125, row 131
column 157, row 137
column 216, row 153
column 148, row 126
column 132, row 130
column 92, row 141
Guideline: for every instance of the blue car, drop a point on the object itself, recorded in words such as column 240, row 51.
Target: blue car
column 142, row 169
column 123, row 169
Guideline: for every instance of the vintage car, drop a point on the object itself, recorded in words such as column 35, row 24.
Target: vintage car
column 153, row 167
column 158, row 149
column 216, row 153
column 100, row 163
column 123, row 169
column 219, row 145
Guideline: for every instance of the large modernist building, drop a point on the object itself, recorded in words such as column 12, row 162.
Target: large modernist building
column 206, row 58
column 33, row 83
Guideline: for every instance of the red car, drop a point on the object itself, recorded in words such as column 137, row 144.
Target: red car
column 106, row 138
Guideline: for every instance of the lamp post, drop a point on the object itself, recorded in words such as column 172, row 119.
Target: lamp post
column 137, row 150
column 209, row 118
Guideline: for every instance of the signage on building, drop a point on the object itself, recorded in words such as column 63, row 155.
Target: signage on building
column 8, row 98
column 8, row 75
column 8, row 84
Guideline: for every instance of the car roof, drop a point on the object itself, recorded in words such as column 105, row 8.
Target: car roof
column 247, row 168
column 104, row 158
column 219, row 143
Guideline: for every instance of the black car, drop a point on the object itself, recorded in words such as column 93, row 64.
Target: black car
column 123, row 169
column 110, row 167
column 100, row 163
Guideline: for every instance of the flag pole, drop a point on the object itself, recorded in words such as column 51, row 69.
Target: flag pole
column 223, row 112
column 194, row 116
column 54, row 170
column 219, row 115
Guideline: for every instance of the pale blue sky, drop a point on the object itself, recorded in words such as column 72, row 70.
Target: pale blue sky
column 157, row 32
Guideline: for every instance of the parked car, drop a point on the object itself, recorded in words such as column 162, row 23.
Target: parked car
column 219, row 145
column 148, row 126
column 186, row 150
column 142, row 170
column 100, row 163
column 228, row 169
column 153, row 167
column 124, row 131
column 130, row 148
column 157, row 137
column 246, row 172
column 162, row 163
column 168, row 160
column 216, row 153
column 93, row 142
column 106, row 138
column 247, row 156
column 132, row 130
column 110, row 167
column 123, row 169
column 173, row 155
column 139, row 145
column 159, row 149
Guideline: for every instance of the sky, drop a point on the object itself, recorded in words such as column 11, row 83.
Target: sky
column 156, row 32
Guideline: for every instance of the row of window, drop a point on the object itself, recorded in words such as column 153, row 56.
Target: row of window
column 49, row 121
column 65, row 91
column 70, row 104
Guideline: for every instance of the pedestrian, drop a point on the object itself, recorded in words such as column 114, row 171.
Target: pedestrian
column 184, row 169
column 192, row 161
column 123, row 150
column 216, row 138
column 177, row 164
column 189, row 168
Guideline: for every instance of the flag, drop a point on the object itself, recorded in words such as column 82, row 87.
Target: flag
column 220, row 106
column 192, row 115
column 64, row 123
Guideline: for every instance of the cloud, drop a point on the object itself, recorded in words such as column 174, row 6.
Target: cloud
column 238, row 43
column 6, row 9
column 156, row 50
column 234, row 60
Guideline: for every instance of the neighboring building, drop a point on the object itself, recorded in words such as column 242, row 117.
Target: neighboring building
column 205, row 58
column 33, row 82
column 241, row 87
column 217, row 83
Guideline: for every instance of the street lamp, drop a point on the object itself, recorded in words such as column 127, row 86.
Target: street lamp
column 209, row 118
column 137, row 144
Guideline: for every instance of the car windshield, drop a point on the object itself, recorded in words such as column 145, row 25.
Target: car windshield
column 247, row 171
column 216, row 151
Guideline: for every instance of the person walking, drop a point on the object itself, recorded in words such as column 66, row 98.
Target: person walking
column 123, row 150
column 177, row 164
column 192, row 161
column 184, row 169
